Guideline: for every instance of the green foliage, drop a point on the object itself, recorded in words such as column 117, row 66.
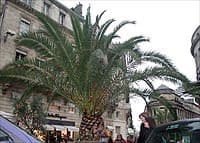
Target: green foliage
column 92, row 74
column 89, row 70
column 193, row 88
column 168, row 106
column 30, row 115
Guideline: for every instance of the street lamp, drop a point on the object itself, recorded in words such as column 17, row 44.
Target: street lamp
column 8, row 33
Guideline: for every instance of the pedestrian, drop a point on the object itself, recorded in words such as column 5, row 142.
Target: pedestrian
column 147, row 125
column 110, row 140
column 131, row 139
column 103, row 138
column 119, row 139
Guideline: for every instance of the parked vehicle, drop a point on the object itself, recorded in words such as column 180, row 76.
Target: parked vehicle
column 5, row 138
column 10, row 133
column 183, row 131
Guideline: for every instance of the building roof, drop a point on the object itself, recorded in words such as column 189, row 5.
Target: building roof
column 165, row 89
column 162, row 86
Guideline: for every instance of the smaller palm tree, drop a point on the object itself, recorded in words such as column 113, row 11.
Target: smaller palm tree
column 30, row 116
column 163, row 70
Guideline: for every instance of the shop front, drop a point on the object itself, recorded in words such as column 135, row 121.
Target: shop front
column 60, row 131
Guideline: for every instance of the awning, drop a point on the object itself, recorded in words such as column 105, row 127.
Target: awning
column 60, row 122
column 61, row 128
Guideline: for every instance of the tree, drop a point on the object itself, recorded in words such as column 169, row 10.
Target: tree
column 88, row 72
column 30, row 116
column 149, row 94
column 193, row 88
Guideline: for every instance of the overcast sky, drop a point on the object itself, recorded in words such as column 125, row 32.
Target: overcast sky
column 169, row 25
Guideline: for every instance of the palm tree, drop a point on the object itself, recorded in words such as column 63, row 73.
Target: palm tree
column 91, row 74
column 30, row 115
column 149, row 94
column 162, row 69
column 193, row 88
column 162, row 116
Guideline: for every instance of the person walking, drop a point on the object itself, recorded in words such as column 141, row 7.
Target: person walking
column 147, row 125
column 131, row 139
column 104, row 137
column 119, row 139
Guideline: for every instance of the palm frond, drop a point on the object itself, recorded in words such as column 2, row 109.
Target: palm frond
column 116, row 29
column 157, row 58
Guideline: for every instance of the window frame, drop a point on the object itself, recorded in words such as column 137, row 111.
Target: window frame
column 118, row 129
column 62, row 17
column 46, row 8
column 20, row 52
column 25, row 22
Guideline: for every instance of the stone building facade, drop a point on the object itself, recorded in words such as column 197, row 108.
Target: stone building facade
column 195, row 50
column 184, row 106
column 17, row 16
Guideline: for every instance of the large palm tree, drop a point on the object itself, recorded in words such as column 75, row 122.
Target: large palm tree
column 88, row 72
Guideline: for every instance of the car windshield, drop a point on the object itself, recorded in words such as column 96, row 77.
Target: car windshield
column 177, row 133
column 4, row 138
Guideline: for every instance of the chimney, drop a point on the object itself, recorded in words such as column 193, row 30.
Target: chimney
column 78, row 9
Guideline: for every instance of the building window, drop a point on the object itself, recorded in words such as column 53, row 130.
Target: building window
column 24, row 26
column 20, row 55
column 71, row 108
column 117, row 114
column 28, row 2
column 61, row 18
column 117, row 129
column 110, row 114
column 54, row 108
column 59, row 108
column 46, row 8
column 15, row 95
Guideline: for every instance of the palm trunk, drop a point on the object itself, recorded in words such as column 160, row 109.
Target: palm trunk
column 91, row 127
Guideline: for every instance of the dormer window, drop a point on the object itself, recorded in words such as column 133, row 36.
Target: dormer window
column 61, row 18
column 46, row 8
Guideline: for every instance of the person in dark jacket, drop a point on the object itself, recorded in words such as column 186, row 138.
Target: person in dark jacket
column 148, row 124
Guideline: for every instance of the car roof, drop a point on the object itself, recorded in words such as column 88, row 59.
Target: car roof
column 185, row 121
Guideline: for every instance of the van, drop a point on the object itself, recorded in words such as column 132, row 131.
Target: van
column 182, row 131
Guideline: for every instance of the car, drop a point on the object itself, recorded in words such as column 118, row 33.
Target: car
column 182, row 131
column 11, row 133
column 4, row 137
